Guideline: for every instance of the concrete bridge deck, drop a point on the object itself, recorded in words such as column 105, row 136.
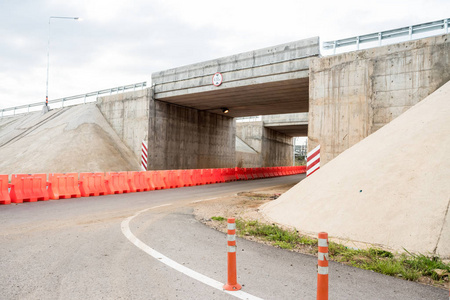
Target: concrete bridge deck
column 272, row 80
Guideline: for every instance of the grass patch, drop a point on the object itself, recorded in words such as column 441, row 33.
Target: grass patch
column 426, row 264
column 218, row 219
column 286, row 239
column 408, row 266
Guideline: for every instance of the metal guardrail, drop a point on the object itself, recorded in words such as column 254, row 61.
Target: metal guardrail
column 389, row 34
column 82, row 96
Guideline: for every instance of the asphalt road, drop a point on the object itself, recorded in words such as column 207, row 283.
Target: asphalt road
column 79, row 249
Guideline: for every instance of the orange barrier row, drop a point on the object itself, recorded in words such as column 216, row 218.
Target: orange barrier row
column 34, row 187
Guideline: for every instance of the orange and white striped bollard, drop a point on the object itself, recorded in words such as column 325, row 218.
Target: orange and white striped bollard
column 232, row 284
column 322, row 270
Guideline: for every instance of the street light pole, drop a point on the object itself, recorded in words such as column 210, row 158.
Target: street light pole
column 48, row 51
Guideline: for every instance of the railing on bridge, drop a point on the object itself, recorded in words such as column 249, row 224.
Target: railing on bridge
column 431, row 28
column 86, row 98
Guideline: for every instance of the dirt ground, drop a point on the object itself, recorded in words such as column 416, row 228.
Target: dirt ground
column 244, row 206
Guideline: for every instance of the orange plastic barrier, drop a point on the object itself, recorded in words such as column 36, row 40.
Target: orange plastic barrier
column 248, row 173
column 207, row 176
column 138, row 181
column 232, row 174
column 197, row 178
column 149, row 180
column 63, row 186
column 4, row 195
column 131, row 178
column 240, row 174
column 217, row 175
column 251, row 173
column 277, row 171
column 157, row 179
column 287, row 170
column 92, row 184
column 266, row 173
column 28, row 188
column 186, row 177
column 228, row 174
column 173, row 179
column 259, row 172
column 117, row 182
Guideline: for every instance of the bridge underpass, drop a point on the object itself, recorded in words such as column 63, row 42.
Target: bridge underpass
column 188, row 126
column 268, row 139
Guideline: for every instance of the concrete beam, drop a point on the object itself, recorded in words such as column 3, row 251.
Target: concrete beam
column 289, row 124
column 266, row 81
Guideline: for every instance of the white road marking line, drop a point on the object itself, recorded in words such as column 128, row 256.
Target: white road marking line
column 125, row 226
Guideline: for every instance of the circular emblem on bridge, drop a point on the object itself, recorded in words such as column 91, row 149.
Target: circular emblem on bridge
column 217, row 79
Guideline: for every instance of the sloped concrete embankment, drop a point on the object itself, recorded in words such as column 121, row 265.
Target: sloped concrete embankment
column 390, row 189
column 71, row 139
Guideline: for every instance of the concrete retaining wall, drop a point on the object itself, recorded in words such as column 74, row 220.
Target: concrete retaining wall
column 277, row 149
column 354, row 94
column 251, row 134
column 127, row 113
column 272, row 148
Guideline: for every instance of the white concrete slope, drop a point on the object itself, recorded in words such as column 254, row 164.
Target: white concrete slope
column 390, row 189
column 71, row 139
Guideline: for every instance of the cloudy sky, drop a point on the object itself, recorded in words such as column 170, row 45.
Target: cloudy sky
column 123, row 42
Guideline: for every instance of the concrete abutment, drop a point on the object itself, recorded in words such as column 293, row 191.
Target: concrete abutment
column 354, row 94
column 186, row 138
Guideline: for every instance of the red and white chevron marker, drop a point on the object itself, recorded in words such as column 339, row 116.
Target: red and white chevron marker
column 313, row 161
column 144, row 156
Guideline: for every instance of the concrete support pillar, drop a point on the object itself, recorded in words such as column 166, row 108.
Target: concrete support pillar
column 186, row 138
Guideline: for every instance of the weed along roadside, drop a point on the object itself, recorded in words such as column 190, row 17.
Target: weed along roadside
column 430, row 270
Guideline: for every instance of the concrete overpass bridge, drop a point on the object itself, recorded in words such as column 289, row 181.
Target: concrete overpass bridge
column 193, row 111
column 347, row 97
column 272, row 80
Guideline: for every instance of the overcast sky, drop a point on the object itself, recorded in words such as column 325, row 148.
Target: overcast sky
column 124, row 42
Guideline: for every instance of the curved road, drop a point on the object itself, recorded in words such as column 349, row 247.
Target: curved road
column 99, row 248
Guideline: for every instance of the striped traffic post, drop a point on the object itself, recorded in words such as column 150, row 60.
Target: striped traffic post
column 144, row 156
column 232, row 284
column 322, row 269
column 313, row 161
